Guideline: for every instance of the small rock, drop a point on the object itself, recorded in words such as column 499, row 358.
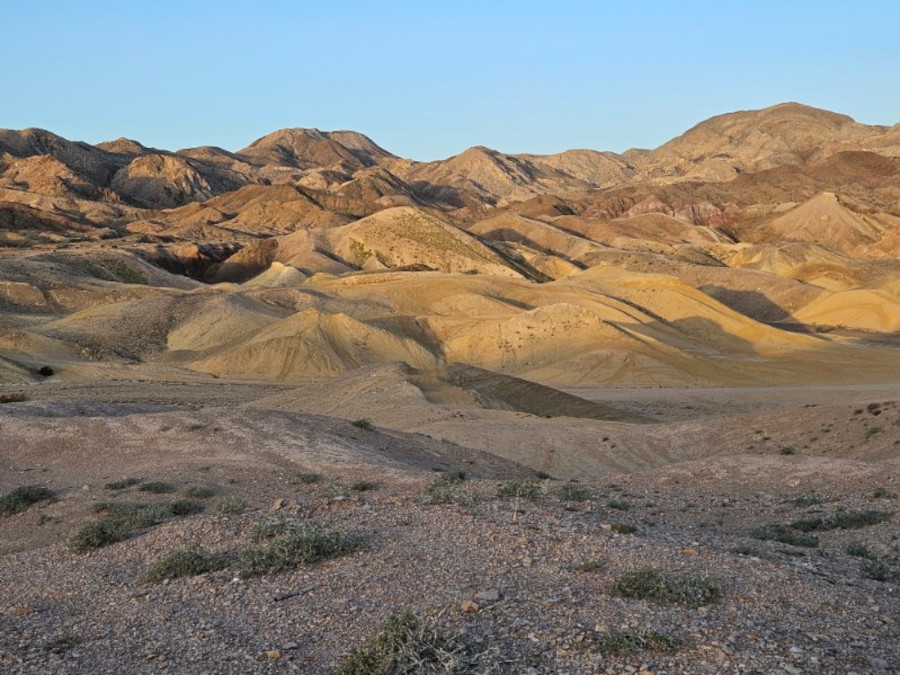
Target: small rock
column 492, row 595
column 690, row 552
column 527, row 562
column 273, row 654
column 278, row 505
column 469, row 607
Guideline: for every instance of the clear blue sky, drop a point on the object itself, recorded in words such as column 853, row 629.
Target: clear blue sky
column 428, row 79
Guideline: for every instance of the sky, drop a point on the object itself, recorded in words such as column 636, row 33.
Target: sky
column 426, row 80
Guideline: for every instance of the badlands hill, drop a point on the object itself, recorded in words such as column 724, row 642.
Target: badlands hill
column 743, row 252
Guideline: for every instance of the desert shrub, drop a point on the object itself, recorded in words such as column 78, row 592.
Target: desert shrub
column 305, row 546
column 649, row 583
column 623, row 528
column 309, row 478
column 878, row 569
column 45, row 371
column 185, row 507
column 619, row 642
column 363, row 423
column 156, row 487
column 619, row 504
column 187, row 563
column 784, row 535
column 97, row 534
column 842, row 520
column 274, row 526
column 590, row 567
column 232, row 506
column 745, row 549
column 883, row 493
column 15, row 397
column 858, row 550
column 61, row 643
column 408, row 644
column 200, row 492
column 336, row 492
column 122, row 484
column 519, row 487
column 446, row 489
column 123, row 518
column 804, row 501
column 787, row 450
column 363, row 485
column 571, row 492
column 138, row 516
column 23, row 497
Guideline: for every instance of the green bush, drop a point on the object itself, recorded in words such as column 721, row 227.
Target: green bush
column 878, row 569
column 648, row 583
column 572, row 492
column 200, row 492
column 187, row 563
column 122, row 484
column 619, row 504
column 620, row 642
column 859, row 551
column 97, row 534
column 519, row 487
column 783, row 535
column 21, row 498
column 842, row 520
column 363, row 423
column 410, row 645
column 305, row 546
column 61, row 643
column 363, row 485
column 309, row 478
column 446, row 489
column 232, row 506
column 157, row 487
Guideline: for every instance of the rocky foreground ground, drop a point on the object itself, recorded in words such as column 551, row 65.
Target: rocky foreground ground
column 676, row 570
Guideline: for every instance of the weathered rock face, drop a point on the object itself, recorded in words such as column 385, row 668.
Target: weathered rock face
column 161, row 181
column 192, row 260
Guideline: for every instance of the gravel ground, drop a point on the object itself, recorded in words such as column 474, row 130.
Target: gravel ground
column 501, row 570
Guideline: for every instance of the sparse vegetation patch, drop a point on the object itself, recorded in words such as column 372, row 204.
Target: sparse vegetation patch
column 520, row 488
column 232, row 506
column 784, row 535
column 187, row 563
column 305, row 546
column 649, row 583
column 122, row 484
column 447, row 489
column 408, row 644
column 21, row 498
column 572, row 492
column 156, row 487
column 842, row 520
column 619, row 642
